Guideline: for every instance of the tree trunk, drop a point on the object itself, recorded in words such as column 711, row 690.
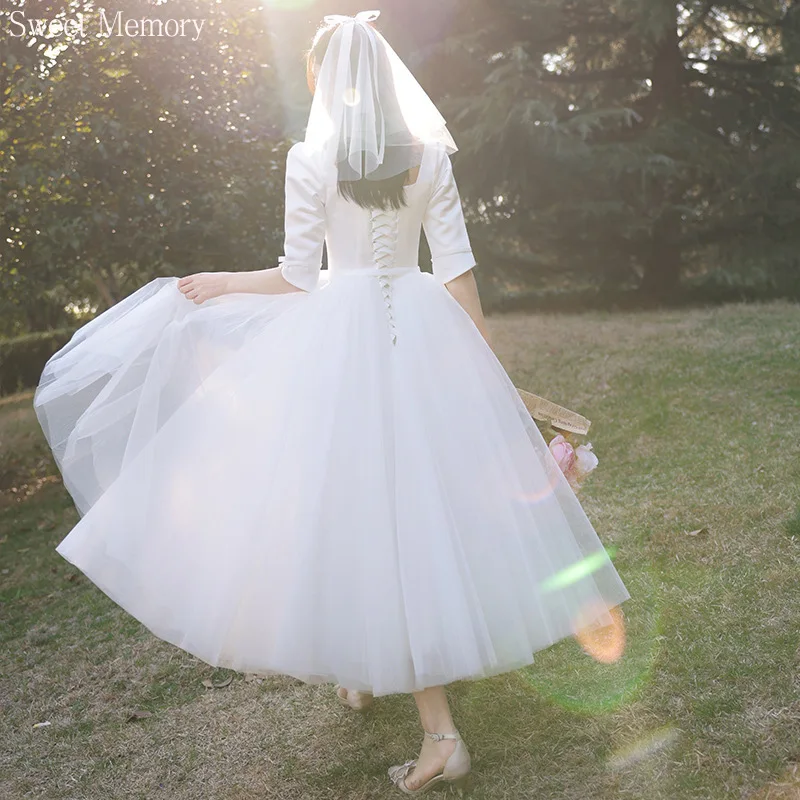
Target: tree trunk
column 102, row 287
column 663, row 258
column 663, row 254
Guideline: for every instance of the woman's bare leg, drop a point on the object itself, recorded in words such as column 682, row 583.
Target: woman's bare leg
column 434, row 714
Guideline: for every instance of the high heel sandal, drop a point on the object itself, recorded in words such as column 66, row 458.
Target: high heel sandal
column 456, row 770
column 360, row 701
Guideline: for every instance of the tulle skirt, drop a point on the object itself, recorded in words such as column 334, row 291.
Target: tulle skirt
column 271, row 484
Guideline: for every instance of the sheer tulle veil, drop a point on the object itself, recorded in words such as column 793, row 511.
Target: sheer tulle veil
column 369, row 115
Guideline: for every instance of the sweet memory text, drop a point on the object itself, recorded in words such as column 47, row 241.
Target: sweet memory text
column 105, row 25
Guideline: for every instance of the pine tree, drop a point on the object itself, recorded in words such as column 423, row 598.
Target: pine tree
column 636, row 142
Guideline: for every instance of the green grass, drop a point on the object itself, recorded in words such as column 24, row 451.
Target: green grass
column 696, row 422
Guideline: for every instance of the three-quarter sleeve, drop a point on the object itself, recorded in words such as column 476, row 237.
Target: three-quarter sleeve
column 444, row 226
column 304, row 221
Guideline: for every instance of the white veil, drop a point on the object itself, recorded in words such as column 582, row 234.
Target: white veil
column 369, row 114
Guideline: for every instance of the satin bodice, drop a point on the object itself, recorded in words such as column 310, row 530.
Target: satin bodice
column 358, row 238
column 364, row 239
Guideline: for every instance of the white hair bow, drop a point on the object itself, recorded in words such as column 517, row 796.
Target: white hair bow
column 362, row 16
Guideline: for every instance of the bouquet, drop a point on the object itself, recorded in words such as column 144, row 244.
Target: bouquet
column 561, row 428
column 576, row 462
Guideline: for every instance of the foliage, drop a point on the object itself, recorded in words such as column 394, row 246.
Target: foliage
column 125, row 158
column 22, row 359
column 635, row 141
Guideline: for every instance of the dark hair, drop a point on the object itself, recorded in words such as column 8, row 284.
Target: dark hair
column 386, row 193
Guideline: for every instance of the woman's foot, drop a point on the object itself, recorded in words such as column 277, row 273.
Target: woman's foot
column 444, row 757
column 431, row 761
column 359, row 701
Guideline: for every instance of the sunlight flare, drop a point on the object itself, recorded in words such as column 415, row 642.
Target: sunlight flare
column 578, row 571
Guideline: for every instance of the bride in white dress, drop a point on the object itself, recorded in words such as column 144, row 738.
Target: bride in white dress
column 327, row 473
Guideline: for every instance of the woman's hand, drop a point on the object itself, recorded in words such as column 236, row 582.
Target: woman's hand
column 203, row 286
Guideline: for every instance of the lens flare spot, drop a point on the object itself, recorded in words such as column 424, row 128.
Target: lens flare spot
column 552, row 478
column 546, row 492
column 352, row 97
column 536, row 497
column 578, row 571
column 603, row 642
column 564, row 674
column 643, row 747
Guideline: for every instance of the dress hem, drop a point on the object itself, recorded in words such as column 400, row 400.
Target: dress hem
column 318, row 679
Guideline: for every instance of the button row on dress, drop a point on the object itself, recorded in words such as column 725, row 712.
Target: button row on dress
column 384, row 225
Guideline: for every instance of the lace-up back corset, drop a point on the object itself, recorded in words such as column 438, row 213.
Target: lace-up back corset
column 383, row 230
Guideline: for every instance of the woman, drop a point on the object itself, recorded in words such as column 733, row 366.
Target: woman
column 327, row 473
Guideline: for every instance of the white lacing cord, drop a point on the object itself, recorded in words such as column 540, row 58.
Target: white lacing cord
column 383, row 225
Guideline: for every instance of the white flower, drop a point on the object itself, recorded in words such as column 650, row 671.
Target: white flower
column 585, row 459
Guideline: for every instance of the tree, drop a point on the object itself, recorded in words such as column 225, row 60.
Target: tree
column 124, row 158
column 634, row 141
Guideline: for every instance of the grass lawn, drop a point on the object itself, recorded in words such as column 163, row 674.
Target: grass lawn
column 696, row 422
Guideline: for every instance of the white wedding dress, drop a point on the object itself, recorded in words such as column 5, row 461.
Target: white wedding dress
column 339, row 484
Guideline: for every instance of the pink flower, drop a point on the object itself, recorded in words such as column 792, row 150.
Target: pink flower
column 575, row 463
column 563, row 453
